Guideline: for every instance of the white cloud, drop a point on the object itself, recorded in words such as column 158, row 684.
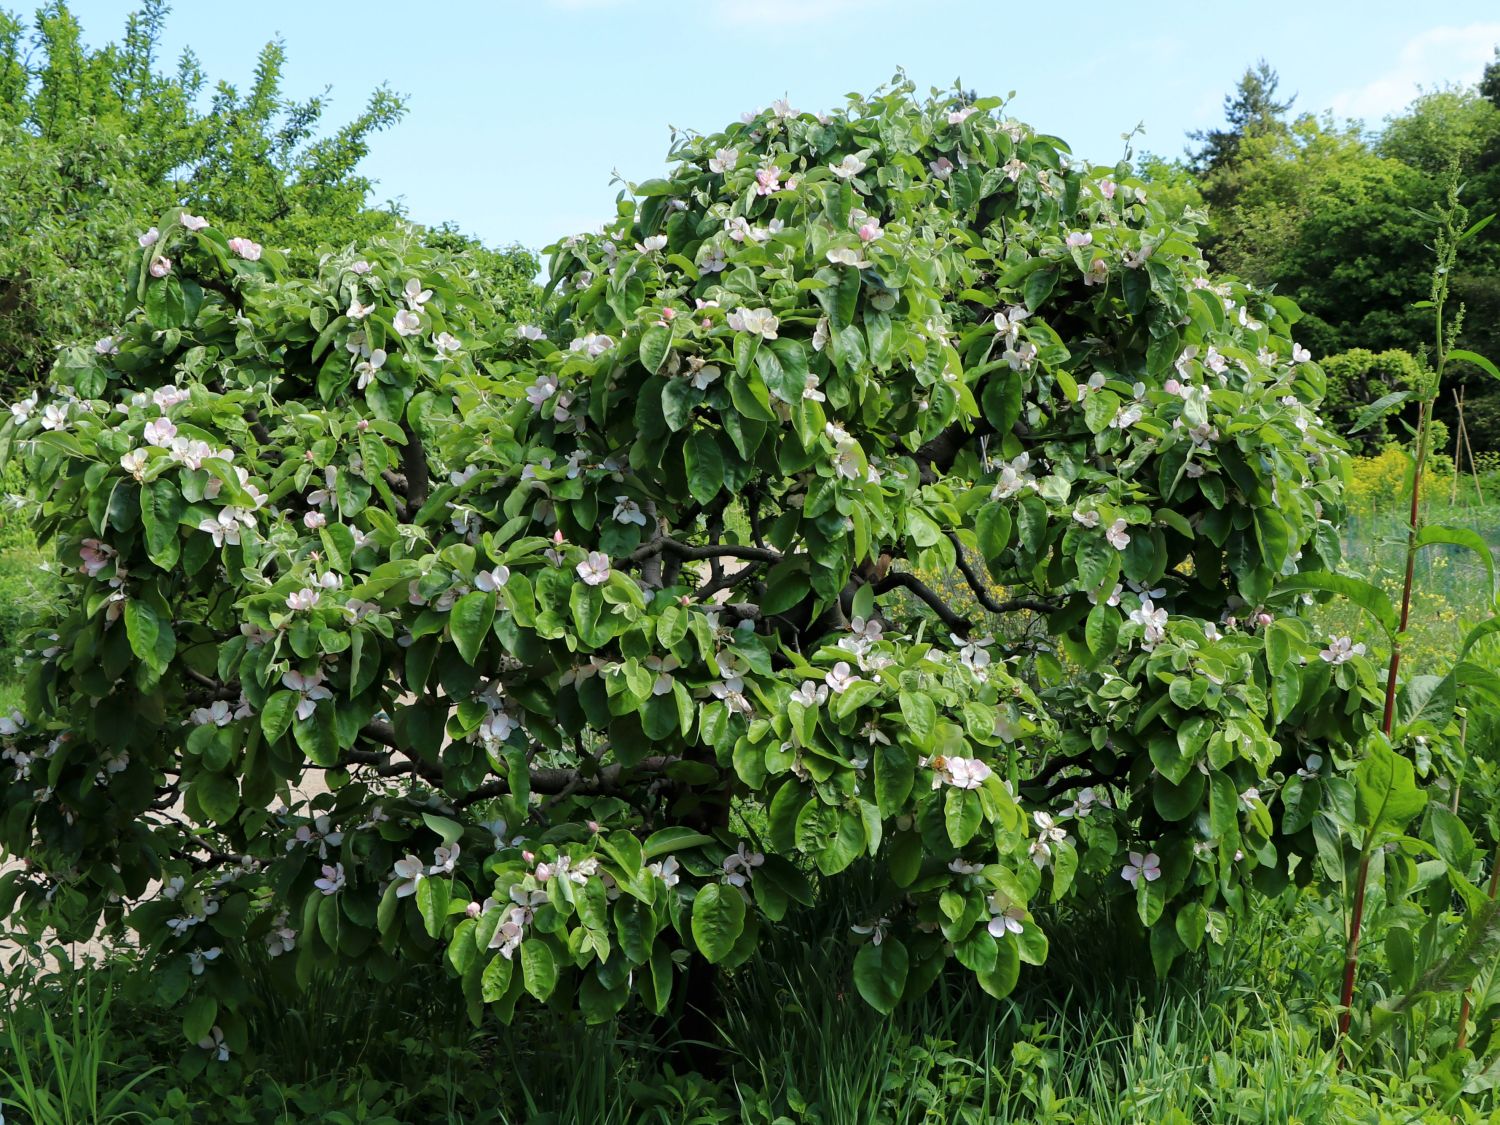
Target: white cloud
column 1437, row 56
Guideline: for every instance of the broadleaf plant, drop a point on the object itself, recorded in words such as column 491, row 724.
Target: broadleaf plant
column 570, row 651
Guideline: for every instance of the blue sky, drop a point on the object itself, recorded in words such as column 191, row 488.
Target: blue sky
column 521, row 110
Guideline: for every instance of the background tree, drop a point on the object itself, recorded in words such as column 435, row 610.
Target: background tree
column 1333, row 214
column 98, row 140
column 1252, row 110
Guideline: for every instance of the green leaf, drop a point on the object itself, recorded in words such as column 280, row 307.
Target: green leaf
column 1363, row 594
column 718, row 920
column 1379, row 408
column 1386, row 792
column 276, row 715
column 670, row 840
column 162, row 506
column 705, row 466
column 151, row 637
column 538, row 967
column 880, row 974
column 1463, row 355
column 338, row 541
column 1461, row 537
column 496, row 979
column 920, row 714
column 218, row 796
column 432, row 902
column 470, row 621
column 655, row 344
column 999, row 980
column 962, row 815
column 199, row 1017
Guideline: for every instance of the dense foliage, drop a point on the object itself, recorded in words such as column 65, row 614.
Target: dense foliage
column 589, row 649
column 1335, row 213
column 96, row 141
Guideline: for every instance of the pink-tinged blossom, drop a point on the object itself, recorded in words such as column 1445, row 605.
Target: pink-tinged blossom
column 21, row 411
column 1341, row 649
column 160, row 267
column 415, row 295
column 149, row 238
column 309, row 687
column 95, row 555
column 410, row 871
column 723, row 160
column 1140, row 867
column 941, row 168
column 406, row 323
column 1107, row 188
column 366, row 369
column 732, row 692
column 333, row 879
column 759, row 321
column 361, row 267
column 530, row 332
column 627, row 511
column 810, row 694
column 357, row 311
column 1079, row 238
column 168, row 397
column 665, row 870
column 214, row 1044
column 444, row 858
column 594, row 570
column 282, row 938
column 107, row 345
column 299, row 601
column 1006, row 917
column 593, row 345
column 246, row 249
column 767, row 180
column 314, row 520
column 740, row 865
column 961, row 773
column 225, row 527
column 1118, row 536
column 847, row 256
column 491, row 580
column 218, row 714
column 840, row 678
column 959, row 116
column 192, row 222
column 1153, row 622
column 848, row 168
column 160, row 432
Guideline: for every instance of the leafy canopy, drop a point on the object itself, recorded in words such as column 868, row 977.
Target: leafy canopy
column 572, row 649
column 96, row 141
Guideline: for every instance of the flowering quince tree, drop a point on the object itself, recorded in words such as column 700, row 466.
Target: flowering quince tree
column 598, row 642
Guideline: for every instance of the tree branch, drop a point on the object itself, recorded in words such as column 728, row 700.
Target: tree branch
column 569, row 781
column 983, row 596
column 695, row 553
column 936, row 456
column 904, row 579
column 414, row 467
